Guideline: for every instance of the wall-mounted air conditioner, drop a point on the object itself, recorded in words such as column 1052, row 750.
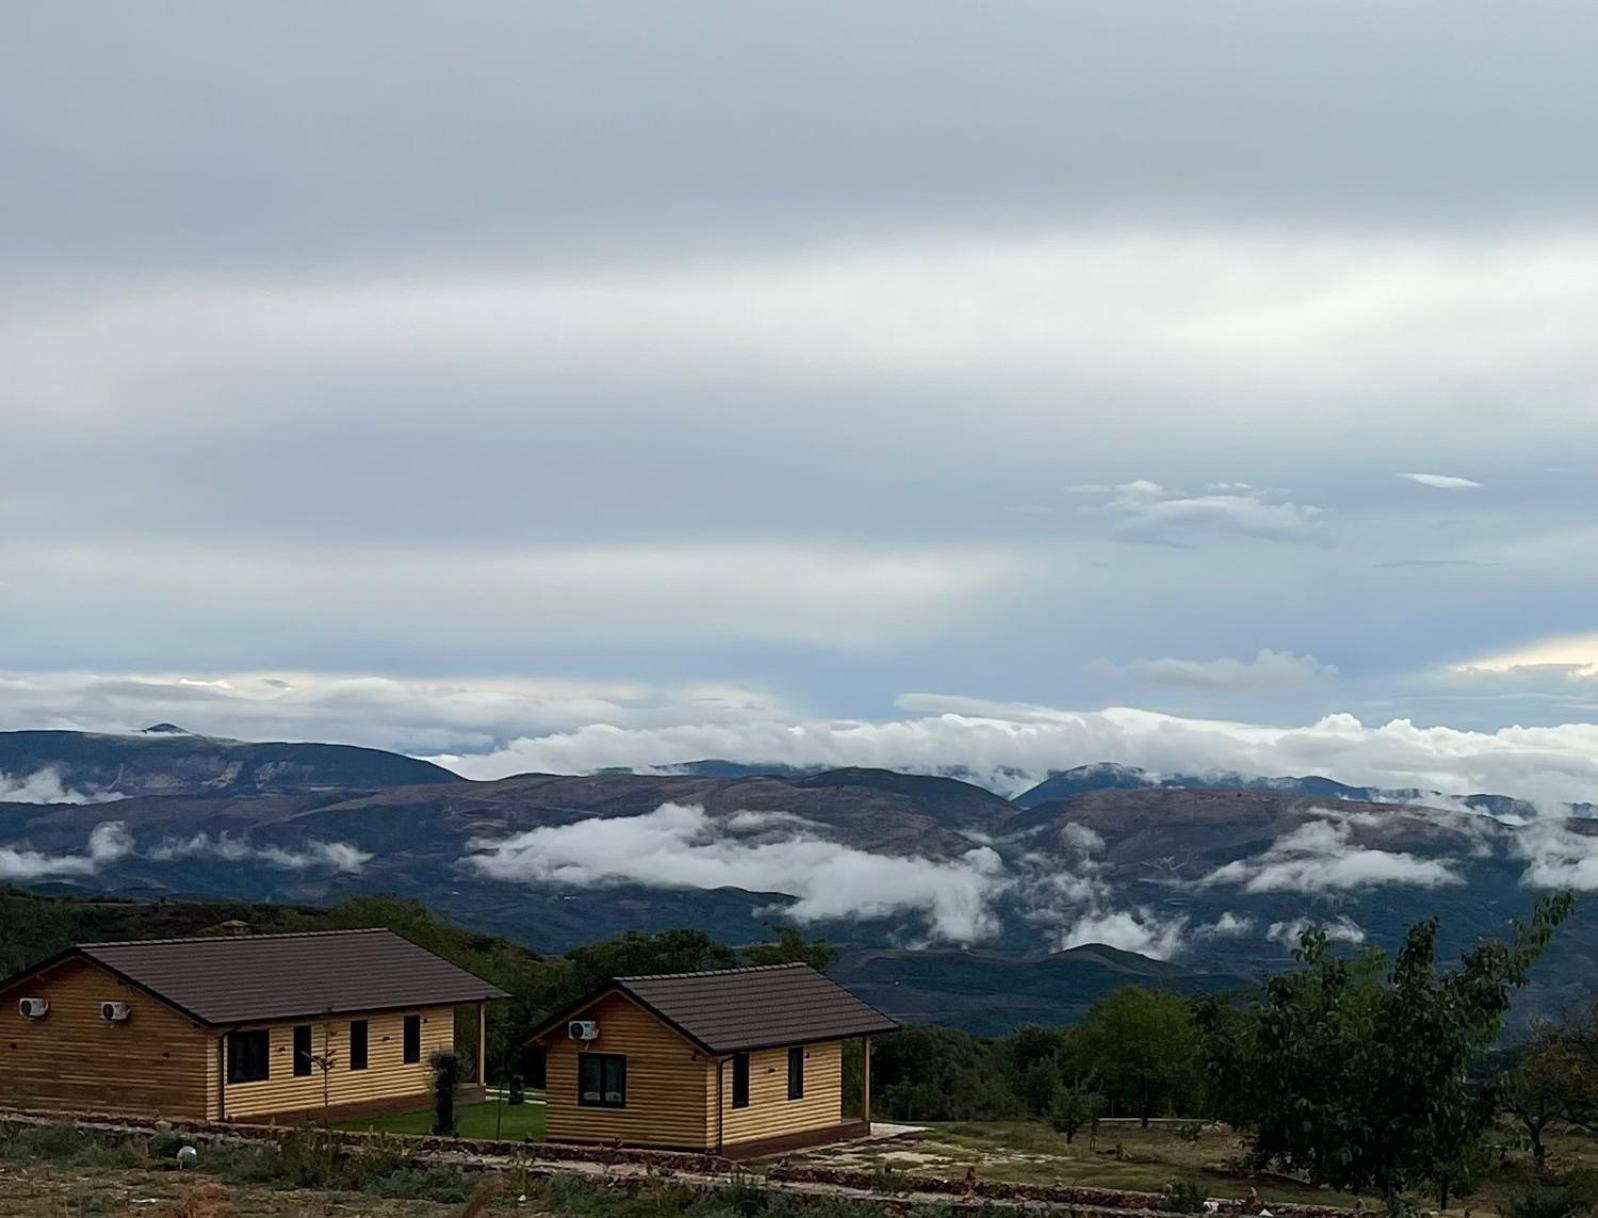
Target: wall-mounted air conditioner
column 114, row 1012
column 33, row 1008
column 583, row 1029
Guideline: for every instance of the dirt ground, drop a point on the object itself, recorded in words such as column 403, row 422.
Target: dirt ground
column 49, row 1192
column 1123, row 1155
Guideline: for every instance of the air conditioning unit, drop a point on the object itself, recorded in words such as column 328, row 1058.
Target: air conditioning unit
column 114, row 1012
column 583, row 1029
column 33, row 1008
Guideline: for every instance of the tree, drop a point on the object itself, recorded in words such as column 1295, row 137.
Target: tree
column 1073, row 1106
column 1536, row 1092
column 323, row 1063
column 635, row 953
column 1573, row 1044
column 450, row 1069
column 790, row 947
column 1361, row 1081
column 1144, row 1047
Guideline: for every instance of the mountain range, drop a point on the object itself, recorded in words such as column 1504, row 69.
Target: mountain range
column 949, row 901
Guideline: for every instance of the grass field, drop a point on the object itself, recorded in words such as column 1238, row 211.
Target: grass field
column 513, row 1122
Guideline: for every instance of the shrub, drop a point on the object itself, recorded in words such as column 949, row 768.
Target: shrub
column 1183, row 1197
column 451, row 1068
column 518, row 1090
column 1557, row 1201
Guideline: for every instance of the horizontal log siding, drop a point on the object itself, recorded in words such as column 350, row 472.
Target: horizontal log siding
column 669, row 1100
column 386, row 1076
column 154, row 1064
column 771, row 1113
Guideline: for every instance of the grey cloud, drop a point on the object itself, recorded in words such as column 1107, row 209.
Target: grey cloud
column 531, row 128
column 1146, row 511
column 1267, row 670
column 1443, row 482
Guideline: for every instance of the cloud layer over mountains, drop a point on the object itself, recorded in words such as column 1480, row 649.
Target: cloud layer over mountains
column 110, row 842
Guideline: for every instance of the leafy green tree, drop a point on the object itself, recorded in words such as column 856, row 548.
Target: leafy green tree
column 1365, row 1081
column 1144, row 1048
column 636, row 953
column 1535, row 1093
column 1572, row 1047
column 790, row 947
column 1072, row 1107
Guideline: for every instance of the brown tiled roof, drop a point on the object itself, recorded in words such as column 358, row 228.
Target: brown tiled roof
column 726, row 1010
column 253, row 978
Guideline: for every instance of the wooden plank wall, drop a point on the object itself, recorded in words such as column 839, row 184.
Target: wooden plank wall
column 670, row 1096
column 386, row 1076
column 771, row 1113
column 154, row 1064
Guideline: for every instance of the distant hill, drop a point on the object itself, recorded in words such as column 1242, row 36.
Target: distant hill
column 992, row 995
column 1108, row 776
column 1214, row 877
column 165, row 760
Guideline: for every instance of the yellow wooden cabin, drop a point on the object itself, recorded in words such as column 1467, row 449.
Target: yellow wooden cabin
column 739, row 1062
column 236, row 1028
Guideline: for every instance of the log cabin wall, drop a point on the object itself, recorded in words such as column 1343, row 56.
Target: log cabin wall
column 671, row 1099
column 156, row 1063
column 387, row 1076
column 771, row 1114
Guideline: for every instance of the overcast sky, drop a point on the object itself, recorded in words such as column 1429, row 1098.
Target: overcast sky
column 442, row 376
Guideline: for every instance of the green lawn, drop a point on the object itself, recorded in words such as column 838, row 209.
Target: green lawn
column 513, row 1122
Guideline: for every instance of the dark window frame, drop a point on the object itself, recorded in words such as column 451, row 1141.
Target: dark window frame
column 608, row 1068
column 740, row 1080
column 303, row 1062
column 249, row 1056
column 796, row 1072
column 412, row 1040
column 360, row 1045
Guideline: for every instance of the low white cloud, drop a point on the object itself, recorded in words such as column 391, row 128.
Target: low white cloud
column 1010, row 746
column 680, row 846
column 1146, row 511
column 1267, row 670
column 1131, row 930
column 312, row 855
column 1321, row 856
column 108, row 842
column 1228, row 926
column 1443, row 482
column 45, row 787
column 1343, row 929
column 1557, row 856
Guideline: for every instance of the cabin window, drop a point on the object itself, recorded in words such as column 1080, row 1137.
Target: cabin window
column 413, row 1038
column 740, row 1080
column 602, row 1080
column 249, row 1056
column 302, row 1050
column 359, row 1032
column 796, row 1073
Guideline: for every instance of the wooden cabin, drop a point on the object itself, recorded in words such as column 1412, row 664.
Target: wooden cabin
column 234, row 1028
column 741, row 1062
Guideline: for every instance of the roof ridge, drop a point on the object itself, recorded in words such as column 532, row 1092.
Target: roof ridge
column 281, row 934
column 721, row 972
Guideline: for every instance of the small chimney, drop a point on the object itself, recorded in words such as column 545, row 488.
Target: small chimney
column 233, row 928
